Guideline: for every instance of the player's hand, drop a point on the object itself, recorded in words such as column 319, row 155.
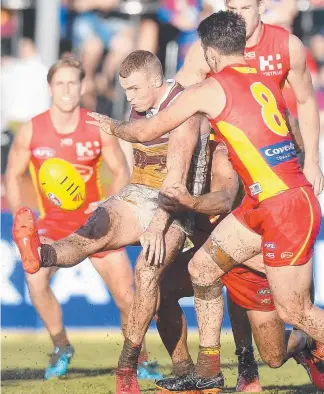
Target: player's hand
column 152, row 242
column 92, row 207
column 105, row 123
column 314, row 175
column 176, row 198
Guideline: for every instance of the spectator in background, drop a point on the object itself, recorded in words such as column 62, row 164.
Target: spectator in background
column 280, row 12
column 24, row 91
column 178, row 20
column 98, row 27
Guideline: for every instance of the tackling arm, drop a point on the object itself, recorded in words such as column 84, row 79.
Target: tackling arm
column 224, row 186
column 18, row 161
column 207, row 97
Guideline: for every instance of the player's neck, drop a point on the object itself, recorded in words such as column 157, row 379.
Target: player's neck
column 65, row 122
column 229, row 60
column 255, row 37
column 160, row 92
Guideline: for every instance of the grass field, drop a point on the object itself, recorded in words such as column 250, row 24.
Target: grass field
column 25, row 355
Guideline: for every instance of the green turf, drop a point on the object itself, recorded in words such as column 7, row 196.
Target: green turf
column 24, row 358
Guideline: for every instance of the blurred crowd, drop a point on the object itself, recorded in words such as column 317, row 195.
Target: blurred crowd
column 103, row 32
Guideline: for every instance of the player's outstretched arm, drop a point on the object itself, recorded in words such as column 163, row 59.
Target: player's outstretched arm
column 18, row 161
column 182, row 142
column 224, row 188
column 116, row 162
column 300, row 80
column 195, row 68
column 190, row 101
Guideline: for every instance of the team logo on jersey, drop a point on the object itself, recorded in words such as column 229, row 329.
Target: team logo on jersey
column 271, row 65
column 85, row 171
column 55, row 200
column 87, row 149
column 270, row 255
column 278, row 153
column 43, row 152
column 255, row 189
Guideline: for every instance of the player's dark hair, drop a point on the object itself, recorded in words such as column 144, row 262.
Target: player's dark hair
column 140, row 60
column 65, row 61
column 224, row 31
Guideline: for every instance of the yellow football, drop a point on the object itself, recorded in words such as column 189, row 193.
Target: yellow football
column 62, row 184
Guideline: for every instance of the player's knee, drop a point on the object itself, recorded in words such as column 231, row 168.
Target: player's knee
column 272, row 360
column 293, row 313
column 97, row 226
column 37, row 285
column 194, row 268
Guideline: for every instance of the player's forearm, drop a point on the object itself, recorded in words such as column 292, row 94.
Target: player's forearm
column 13, row 193
column 119, row 181
column 160, row 219
column 308, row 118
column 214, row 203
column 137, row 131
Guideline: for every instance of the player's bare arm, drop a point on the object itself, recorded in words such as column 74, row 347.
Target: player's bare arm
column 178, row 164
column 18, row 162
column 206, row 97
column 195, row 68
column 116, row 162
column 299, row 79
column 224, row 188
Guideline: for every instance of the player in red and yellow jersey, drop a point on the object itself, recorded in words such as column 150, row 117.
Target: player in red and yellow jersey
column 247, row 288
column 280, row 56
column 248, row 112
column 274, row 52
column 62, row 132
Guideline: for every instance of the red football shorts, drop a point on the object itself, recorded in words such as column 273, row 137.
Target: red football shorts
column 288, row 223
column 56, row 231
column 249, row 289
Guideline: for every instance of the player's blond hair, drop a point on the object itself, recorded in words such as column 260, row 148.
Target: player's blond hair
column 140, row 60
column 65, row 61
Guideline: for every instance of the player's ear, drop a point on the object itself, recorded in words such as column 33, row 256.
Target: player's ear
column 262, row 6
column 158, row 81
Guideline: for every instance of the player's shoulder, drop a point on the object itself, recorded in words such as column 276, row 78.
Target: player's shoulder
column 275, row 30
column 40, row 117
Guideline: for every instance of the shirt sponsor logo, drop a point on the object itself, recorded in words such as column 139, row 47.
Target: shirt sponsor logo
column 270, row 245
column 270, row 255
column 278, row 153
column 43, row 152
column 66, row 141
column 249, row 55
column 286, row 255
